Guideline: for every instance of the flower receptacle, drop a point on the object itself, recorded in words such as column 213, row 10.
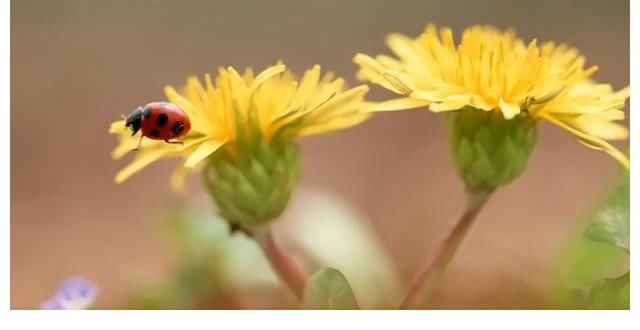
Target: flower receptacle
column 252, row 186
column 488, row 150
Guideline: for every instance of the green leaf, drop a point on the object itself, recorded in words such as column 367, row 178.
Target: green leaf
column 611, row 293
column 611, row 224
column 329, row 289
column 587, row 276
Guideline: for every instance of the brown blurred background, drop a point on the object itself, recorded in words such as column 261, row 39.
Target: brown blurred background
column 77, row 65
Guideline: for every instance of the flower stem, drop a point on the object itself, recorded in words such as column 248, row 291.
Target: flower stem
column 286, row 267
column 424, row 283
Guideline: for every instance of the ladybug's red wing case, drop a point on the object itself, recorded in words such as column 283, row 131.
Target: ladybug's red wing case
column 164, row 121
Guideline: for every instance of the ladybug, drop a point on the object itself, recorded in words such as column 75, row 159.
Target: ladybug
column 159, row 121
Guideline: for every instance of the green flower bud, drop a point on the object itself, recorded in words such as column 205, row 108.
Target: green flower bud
column 488, row 150
column 252, row 186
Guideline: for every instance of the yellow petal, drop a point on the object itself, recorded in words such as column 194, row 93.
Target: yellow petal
column 408, row 50
column 307, row 86
column 117, row 127
column 335, row 124
column 373, row 71
column 451, row 103
column 338, row 103
column 591, row 141
column 152, row 152
column 402, row 103
column 174, row 97
column 178, row 177
column 367, row 62
column 509, row 110
column 479, row 103
column 396, row 80
column 144, row 158
column 123, row 148
column 268, row 73
column 127, row 143
column 203, row 151
column 601, row 128
column 431, row 96
column 446, row 106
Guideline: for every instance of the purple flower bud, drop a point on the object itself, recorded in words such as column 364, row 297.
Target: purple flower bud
column 74, row 293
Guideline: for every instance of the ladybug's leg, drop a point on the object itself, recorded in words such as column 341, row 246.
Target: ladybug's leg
column 139, row 143
column 174, row 142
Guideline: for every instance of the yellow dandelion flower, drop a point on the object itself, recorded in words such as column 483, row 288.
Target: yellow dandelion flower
column 271, row 104
column 495, row 71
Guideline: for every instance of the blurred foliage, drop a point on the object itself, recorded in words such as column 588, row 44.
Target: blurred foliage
column 325, row 231
column 196, row 276
column 329, row 289
column 209, row 262
column 218, row 269
column 595, row 271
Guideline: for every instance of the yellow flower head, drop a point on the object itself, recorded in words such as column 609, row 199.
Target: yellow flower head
column 273, row 103
column 493, row 70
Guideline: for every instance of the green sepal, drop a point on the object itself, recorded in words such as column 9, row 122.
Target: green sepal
column 252, row 184
column 488, row 150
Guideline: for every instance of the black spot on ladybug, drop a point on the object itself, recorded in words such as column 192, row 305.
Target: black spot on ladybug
column 177, row 127
column 162, row 119
column 147, row 112
column 155, row 132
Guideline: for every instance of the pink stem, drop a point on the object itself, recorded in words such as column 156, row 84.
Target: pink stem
column 428, row 277
column 287, row 269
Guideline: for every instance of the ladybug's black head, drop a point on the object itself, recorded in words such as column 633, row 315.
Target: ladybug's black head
column 134, row 120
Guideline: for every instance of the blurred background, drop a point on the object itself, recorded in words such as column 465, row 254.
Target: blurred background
column 78, row 65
